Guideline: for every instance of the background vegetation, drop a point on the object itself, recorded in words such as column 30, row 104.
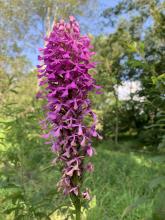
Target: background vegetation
column 129, row 178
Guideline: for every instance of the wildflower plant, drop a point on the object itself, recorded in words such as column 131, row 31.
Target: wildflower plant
column 66, row 83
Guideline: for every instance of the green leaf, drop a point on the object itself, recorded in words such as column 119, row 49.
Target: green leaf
column 10, row 185
column 159, row 207
column 134, row 205
column 159, row 159
column 158, row 181
column 47, row 168
column 42, row 215
column 14, row 91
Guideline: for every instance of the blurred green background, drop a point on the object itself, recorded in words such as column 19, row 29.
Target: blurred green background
column 129, row 178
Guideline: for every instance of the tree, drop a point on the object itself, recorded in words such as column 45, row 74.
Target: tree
column 141, row 55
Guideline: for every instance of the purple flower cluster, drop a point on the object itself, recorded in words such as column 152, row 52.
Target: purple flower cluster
column 66, row 82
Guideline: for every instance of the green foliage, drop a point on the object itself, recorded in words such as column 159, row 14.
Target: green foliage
column 133, row 52
column 26, row 192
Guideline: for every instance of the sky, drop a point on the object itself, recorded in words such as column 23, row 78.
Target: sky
column 89, row 24
column 95, row 22
column 128, row 87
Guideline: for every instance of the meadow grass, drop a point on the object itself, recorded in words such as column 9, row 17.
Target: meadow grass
column 120, row 180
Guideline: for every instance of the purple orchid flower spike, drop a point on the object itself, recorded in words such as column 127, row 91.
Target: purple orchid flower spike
column 66, row 82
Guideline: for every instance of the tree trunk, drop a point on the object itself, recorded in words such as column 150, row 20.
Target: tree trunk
column 116, row 116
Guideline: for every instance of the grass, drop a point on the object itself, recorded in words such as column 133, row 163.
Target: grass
column 120, row 185
column 121, row 178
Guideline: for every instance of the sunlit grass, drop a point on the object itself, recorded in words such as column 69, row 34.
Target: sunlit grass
column 119, row 179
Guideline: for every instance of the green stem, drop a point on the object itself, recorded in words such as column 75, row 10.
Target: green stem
column 78, row 209
column 76, row 199
column 77, row 204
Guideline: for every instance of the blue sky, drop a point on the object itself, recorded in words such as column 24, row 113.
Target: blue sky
column 90, row 24
column 94, row 22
